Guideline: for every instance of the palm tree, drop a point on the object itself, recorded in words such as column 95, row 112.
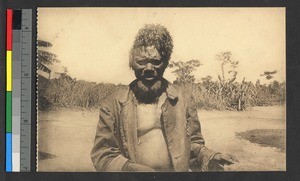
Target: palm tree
column 45, row 58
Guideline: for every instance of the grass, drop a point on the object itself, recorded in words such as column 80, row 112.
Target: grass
column 266, row 137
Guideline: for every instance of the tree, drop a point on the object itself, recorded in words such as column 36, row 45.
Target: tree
column 45, row 57
column 184, row 76
column 184, row 70
column 236, row 95
column 226, row 60
column 228, row 69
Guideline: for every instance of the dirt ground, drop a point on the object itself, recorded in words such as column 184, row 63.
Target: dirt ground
column 65, row 138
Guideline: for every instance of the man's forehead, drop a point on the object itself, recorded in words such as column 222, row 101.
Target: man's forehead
column 149, row 52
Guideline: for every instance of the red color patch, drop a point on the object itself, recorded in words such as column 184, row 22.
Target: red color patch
column 9, row 29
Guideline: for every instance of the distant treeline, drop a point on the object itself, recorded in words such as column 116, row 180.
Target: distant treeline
column 66, row 92
column 237, row 96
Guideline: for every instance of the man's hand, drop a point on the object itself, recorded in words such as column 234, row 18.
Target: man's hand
column 222, row 162
column 134, row 167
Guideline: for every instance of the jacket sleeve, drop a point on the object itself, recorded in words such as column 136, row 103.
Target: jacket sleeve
column 200, row 154
column 106, row 154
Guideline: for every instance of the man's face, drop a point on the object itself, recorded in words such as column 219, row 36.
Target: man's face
column 147, row 64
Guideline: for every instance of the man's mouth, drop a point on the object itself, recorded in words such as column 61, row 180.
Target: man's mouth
column 149, row 75
column 149, row 78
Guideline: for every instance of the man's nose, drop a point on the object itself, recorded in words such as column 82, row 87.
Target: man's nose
column 149, row 66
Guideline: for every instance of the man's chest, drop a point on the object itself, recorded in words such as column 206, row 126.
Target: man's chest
column 148, row 118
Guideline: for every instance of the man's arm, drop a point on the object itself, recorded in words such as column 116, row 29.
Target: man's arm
column 200, row 154
column 106, row 154
column 203, row 158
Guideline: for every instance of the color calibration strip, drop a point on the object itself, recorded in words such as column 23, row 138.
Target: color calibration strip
column 9, row 14
column 18, row 90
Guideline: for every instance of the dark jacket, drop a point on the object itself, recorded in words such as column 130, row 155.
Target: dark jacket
column 116, row 135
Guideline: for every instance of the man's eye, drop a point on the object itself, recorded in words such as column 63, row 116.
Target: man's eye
column 142, row 62
column 157, row 62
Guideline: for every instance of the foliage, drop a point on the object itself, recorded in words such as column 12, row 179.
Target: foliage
column 210, row 95
column 184, row 70
column 42, row 43
column 69, row 93
column 271, row 94
column 227, row 63
column 45, row 57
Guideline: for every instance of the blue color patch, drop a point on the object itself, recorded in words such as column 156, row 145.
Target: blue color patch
column 8, row 152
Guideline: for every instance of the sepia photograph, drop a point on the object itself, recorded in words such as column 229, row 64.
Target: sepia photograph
column 161, row 89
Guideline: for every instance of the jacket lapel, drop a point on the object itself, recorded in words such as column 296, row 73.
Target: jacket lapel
column 174, row 127
column 129, row 120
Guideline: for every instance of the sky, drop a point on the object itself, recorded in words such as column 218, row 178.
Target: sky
column 94, row 43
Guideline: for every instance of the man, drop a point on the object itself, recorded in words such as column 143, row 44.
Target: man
column 152, row 126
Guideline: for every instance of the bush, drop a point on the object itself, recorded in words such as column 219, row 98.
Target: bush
column 234, row 96
column 70, row 93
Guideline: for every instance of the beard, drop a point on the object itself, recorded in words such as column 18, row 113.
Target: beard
column 148, row 91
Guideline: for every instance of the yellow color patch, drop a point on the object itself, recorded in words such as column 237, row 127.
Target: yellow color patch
column 8, row 70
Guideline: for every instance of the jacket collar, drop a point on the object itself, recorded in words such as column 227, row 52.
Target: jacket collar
column 172, row 92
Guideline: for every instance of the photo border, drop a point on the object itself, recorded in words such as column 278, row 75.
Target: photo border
column 292, row 84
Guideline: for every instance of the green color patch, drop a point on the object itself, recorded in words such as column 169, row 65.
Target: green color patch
column 8, row 112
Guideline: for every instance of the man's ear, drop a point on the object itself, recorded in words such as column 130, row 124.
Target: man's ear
column 131, row 59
